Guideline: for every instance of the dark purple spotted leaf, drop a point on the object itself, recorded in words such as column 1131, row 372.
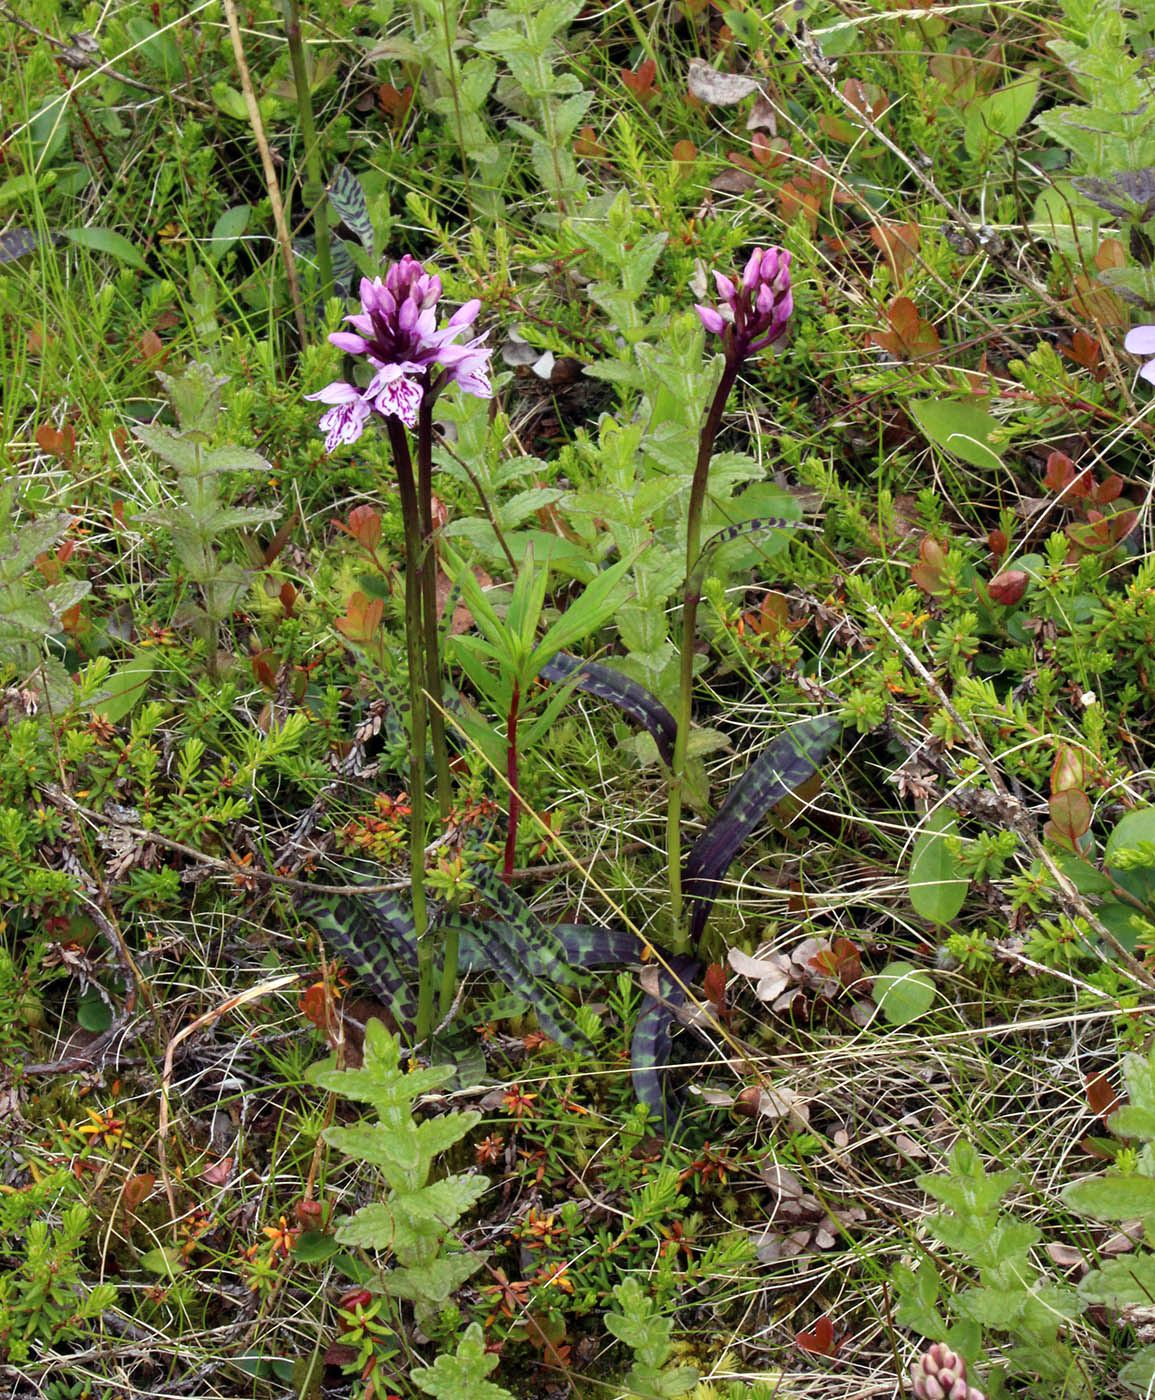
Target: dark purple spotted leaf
column 348, row 199
column 18, row 241
column 633, row 699
column 652, row 1039
column 370, row 937
column 1127, row 194
column 757, row 525
column 792, row 757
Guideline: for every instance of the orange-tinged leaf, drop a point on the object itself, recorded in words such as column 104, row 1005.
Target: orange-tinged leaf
column 684, row 155
column 1101, row 1098
column 1062, row 476
column 898, row 243
column 1069, row 769
column 136, row 1189
column 587, row 145
column 362, row 618
column 1008, row 587
column 1083, row 349
column 641, row 81
column 365, row 526
column 1070, row 813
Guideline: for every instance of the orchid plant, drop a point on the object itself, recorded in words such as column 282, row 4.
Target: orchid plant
column 411, row 360
column 753, row 312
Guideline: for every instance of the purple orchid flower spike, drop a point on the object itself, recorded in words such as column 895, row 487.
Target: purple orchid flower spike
column 396, row 332
column 1141, row 341
column 754, row 311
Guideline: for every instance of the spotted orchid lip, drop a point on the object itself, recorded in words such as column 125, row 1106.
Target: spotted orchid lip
column 397, row 334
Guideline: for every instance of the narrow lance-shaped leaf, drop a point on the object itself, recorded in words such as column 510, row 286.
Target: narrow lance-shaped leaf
column 650, row 1044
column 371, row 944
column 757, row 525
column 631, row 698
column 500, row 947
column 348, row 199
column 786, row 763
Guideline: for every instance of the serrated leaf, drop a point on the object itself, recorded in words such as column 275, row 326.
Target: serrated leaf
column 462, row 1377
column 786, row 763
column 231, row 458
column 937, row 891
column 1123, row 1282
column 432, row 1282
column 1113, row 1197
column 1139, row 1372
column 170, row 447
column 313, row 1247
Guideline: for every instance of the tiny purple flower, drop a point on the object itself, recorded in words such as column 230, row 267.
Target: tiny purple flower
column 1141, row 341
column 755, row 312
column 397, row 333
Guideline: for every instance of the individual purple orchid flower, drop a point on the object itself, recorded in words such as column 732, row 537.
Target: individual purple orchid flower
column 754, row 312
column 1141, row 341
column 397, row 333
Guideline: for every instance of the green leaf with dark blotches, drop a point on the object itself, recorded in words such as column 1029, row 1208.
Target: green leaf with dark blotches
column 784, row 765
column 632, row 699
column 348, row 199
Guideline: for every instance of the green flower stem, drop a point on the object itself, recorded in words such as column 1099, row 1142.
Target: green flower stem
column 433, row 667
column 689, row 628
column 411, row 517
column 315, row 186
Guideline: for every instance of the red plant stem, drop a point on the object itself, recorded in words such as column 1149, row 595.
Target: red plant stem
column 512, row 775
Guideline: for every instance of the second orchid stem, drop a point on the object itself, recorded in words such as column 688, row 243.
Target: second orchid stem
column 689, row 636
column 415, row 655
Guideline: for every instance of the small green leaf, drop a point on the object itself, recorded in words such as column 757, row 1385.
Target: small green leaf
column 93, row 1013
column 1139, row 1372
column 103, row 240
column 937, row 891
column 1130, row 831
column 125, row 688
column 903, row 993
column 961, row 427
column 227, row 229
column 313, row 1247
column 164, row 1261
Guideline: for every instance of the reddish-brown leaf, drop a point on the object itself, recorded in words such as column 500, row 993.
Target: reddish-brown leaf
column 820, row 1342
column 1101, row 1098
column 136, row 1190
column 587, row 145
column 1008, row 587
column 641, row 81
